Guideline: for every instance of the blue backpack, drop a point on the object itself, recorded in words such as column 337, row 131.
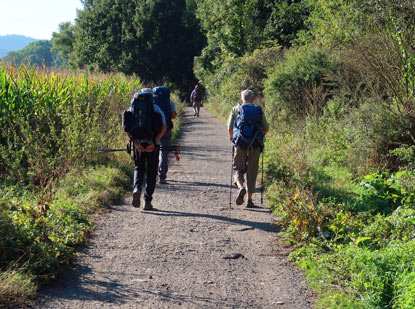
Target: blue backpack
column 138, row 120
column 161, row 97
column 247, row 131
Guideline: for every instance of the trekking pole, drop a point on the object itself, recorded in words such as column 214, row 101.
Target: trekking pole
column 230, row 187
column 262, row 177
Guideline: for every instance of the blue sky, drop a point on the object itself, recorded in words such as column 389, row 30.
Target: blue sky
column 36, row 18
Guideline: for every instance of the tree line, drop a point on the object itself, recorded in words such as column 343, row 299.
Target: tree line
column 158, row 40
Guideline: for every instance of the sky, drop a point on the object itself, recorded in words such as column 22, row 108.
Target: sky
column 36, row 18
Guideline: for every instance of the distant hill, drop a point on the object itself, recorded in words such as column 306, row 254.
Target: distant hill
column 13, row 42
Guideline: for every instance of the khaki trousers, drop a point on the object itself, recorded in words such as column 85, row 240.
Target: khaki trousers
column 196, row 106
column 246, row 162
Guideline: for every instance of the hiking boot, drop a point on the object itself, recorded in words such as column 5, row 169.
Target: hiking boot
column 241, row 195
column 136, row 197
column 162, row 181
column 197, row 114
column 250, row 204
column 147, row 205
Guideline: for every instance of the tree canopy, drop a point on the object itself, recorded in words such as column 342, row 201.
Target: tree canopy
column 155, row 39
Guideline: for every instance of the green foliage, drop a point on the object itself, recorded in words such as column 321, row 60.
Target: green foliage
column 37, row 53
column 405, row 155
column 372, row 277
column 235, row 28
column 62, row 44
column 236, row 74
column 155, row 39
column 405, row 288
column 381, row 193
column 376, row 40
column 298, row 84
column 287, row 19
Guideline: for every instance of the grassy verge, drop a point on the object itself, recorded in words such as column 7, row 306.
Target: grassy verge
column 39, row 239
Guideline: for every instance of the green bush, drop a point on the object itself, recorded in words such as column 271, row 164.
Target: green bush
column 299, row 84
column 380, row 193
column 236, row 74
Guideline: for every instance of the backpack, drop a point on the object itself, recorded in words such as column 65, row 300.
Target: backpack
column 247, row 132
column 196, row 95
column 139, row 120
column 161, row 97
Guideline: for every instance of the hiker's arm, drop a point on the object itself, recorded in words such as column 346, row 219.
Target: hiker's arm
column 231, row 121
column 160, row 135
column 173, row 115
column 230, row 131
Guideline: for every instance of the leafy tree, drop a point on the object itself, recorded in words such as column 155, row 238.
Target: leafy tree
column 287, row 19
column 62, row 42
column 155, row 39
column 37, row 53
column 237, row 27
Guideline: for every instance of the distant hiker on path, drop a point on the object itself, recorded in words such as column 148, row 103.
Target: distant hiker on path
column 144, row 123
column 247, row 127
column 196, row 99
column 161, row 97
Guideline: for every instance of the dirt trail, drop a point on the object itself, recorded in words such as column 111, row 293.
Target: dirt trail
column 192, row 251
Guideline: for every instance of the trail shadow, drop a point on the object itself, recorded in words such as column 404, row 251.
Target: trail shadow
column 263, row 226
column 79, row 288
column 196, row 183
column 74, row 286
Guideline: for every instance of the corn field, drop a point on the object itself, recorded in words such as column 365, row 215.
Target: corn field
column 52, row 120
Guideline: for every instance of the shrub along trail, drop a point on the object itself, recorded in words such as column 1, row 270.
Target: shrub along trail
column 193, row 251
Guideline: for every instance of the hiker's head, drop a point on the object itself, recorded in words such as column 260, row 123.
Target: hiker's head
column 148, row 90
column 247, row 95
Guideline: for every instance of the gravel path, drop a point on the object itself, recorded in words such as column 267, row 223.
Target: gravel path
column 192, row 251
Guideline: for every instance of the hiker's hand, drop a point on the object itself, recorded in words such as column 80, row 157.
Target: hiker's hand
column 150, row 148
column 138, row 146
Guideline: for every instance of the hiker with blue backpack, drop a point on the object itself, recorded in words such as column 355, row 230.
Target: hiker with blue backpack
column 247, row 127
column 196, row 100
column 161, row 97
column 145, row 124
